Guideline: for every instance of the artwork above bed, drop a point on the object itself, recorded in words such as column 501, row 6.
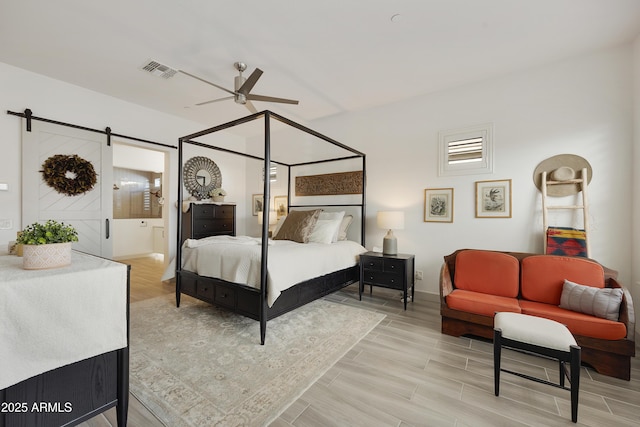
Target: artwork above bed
column 329, row 184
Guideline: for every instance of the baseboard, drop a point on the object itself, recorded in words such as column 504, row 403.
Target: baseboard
column 428, row 296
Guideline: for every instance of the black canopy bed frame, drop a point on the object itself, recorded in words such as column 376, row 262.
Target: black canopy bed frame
column 246, row 300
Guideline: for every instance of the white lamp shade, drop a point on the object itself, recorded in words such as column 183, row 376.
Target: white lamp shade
column 391, row 220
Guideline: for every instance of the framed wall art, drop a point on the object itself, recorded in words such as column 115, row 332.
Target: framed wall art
column 281, row 206
column 257, row 204
column 330, row 184
column 493, row 199
column 438, row 205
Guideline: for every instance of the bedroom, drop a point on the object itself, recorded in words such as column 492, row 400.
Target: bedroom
column 587, row 103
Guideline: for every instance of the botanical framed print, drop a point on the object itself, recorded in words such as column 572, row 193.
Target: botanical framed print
column 493, row 199
column 438, row 205
column 257, row 204
column 281, row 206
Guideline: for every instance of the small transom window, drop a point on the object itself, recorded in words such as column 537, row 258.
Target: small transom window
column 466, row 151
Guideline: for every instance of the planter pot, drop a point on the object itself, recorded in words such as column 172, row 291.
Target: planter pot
column 218, row 198
column 39, row 257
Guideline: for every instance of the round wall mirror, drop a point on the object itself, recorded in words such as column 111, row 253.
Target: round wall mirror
column 200, row 176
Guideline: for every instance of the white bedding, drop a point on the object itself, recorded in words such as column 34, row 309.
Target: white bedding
column 238, row 259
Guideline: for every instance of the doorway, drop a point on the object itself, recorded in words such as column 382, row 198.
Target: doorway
column 139, row 191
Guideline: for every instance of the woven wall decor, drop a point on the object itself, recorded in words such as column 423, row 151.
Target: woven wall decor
column 329, row 184
column 69, row 174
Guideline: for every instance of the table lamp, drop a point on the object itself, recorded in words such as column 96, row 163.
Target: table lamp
column 390, row 220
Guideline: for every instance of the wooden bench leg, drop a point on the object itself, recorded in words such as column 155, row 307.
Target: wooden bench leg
column 575, row 381
column 497, row 349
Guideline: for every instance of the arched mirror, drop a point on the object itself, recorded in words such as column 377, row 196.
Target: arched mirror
column 200, row 176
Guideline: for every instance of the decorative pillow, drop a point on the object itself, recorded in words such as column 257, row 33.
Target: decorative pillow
column 344, row 226
column 599, row 302
column 276, row 228
column 298, row 226
column 327, row 227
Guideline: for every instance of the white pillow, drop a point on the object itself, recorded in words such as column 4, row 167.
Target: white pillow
column 326, row 228
column 344, row 225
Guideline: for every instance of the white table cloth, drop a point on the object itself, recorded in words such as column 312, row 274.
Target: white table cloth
column 52, row 318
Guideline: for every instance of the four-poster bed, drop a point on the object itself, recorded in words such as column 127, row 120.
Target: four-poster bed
column 252, row 299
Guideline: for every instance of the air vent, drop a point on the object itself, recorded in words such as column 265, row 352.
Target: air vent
column 158, row 69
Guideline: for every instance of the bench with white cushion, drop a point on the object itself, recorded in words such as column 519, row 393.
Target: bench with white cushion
column 542, row 337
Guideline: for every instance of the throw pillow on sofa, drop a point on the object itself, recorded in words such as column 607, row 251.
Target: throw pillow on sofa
column 599, row 302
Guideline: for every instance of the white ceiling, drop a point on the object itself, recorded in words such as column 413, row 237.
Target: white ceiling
column 335, row 56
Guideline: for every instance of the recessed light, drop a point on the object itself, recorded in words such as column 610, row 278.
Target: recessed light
column 396, row 18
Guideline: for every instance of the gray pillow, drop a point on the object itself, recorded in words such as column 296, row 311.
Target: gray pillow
column 600, row 302
column 298, row 226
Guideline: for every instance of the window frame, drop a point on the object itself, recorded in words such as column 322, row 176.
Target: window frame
column 484, row 165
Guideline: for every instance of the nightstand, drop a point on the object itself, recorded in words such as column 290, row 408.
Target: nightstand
column 387, row 271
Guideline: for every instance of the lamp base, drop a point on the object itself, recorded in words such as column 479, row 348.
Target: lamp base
column 390, row 244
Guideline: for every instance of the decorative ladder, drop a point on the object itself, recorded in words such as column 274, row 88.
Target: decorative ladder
column 583, row 182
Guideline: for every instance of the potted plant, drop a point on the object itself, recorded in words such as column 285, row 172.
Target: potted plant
column 46, row 245
column 217, row 194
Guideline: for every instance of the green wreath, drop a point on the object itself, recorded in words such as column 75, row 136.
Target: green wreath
column 69, row 174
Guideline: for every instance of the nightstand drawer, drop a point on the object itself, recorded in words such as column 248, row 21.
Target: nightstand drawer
column 373, row 263
column 394, row 265
column 383, row 264
column 384, row 279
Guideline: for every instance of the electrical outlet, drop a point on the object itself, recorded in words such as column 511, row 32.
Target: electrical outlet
column 6, row 224
column 418, row 274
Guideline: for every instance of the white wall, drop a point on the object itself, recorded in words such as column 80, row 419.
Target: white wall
column 635, row 275
column 56, row 100
column 580, row 106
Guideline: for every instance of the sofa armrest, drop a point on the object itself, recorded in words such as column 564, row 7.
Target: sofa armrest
column 627, row 314
column 446, row 285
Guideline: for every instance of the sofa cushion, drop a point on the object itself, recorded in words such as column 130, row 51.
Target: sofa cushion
column 543, row 276
column 599, row 302
column 578, row 323
column 488, row 272
column 480, row 303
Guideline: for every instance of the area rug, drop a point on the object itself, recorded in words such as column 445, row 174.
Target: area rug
column 198, row 365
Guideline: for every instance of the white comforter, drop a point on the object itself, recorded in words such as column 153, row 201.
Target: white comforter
column 238, row 259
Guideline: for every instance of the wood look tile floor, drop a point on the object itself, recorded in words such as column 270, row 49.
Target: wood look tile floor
column 406, row 373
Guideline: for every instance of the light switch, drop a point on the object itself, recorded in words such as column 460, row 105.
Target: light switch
column 4, row 186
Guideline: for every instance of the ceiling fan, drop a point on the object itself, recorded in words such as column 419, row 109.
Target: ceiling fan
column 242, row 89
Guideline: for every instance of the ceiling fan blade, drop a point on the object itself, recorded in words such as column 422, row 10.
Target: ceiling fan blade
column 250, row 107
column 271, row 99
column 215, row 100
column 250, row 82
column 207, row 82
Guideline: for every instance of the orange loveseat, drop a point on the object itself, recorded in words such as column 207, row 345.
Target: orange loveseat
column 475, row 284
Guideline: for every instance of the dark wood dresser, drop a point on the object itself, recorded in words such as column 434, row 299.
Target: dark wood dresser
column 208, row 219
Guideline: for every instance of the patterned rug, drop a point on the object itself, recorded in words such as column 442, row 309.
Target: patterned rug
column 198, row 365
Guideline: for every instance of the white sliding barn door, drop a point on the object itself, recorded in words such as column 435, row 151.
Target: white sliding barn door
column 90, row 213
